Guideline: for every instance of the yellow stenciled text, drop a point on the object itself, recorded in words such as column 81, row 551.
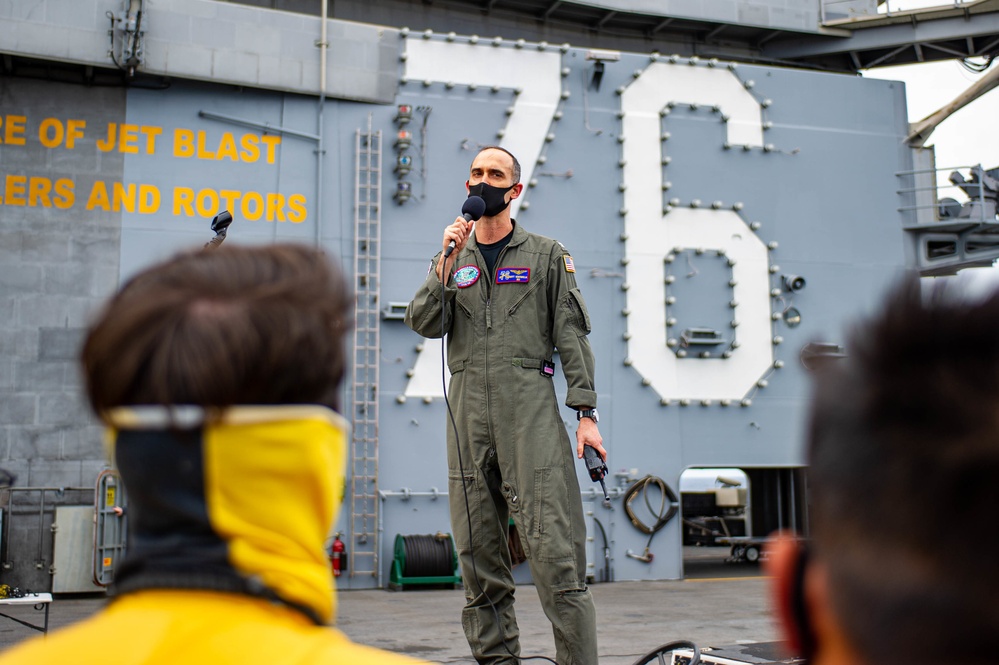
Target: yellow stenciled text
column 144, row 199
column 251, row 206
column 53, row 132
column 188, row 143
column 129, row 139
column 36, row 192
column 12, row 129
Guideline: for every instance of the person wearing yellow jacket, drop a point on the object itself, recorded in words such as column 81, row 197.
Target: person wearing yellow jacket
column 218, row 374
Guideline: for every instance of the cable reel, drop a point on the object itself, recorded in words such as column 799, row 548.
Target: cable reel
column 424, row 560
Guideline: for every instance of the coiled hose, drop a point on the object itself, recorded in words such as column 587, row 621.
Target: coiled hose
column 662, row 515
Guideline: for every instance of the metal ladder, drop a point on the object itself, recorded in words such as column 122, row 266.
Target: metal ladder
column 364, row 387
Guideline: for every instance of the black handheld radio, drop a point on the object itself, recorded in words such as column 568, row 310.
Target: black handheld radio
column 596, row 467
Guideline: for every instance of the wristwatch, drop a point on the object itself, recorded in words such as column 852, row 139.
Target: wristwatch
column 588, row 413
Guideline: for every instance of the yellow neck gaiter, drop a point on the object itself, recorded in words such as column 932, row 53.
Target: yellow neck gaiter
column 244, row 502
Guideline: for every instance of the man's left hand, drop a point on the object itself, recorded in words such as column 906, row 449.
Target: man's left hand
column 588, row 435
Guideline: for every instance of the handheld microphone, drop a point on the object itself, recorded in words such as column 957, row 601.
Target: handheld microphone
column 472, row 209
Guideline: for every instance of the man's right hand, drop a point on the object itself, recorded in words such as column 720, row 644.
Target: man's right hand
column 459, row 232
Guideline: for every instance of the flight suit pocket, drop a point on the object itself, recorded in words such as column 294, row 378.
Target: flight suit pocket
column 460, row 484
column 576, row 312
column 551, row 530
column 463, row 305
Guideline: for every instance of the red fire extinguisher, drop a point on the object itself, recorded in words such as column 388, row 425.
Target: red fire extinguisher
column 338, row 556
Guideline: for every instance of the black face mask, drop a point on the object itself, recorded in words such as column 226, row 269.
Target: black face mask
column 493, row 196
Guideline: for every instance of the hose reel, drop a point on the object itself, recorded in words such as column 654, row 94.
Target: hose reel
column 424, row 560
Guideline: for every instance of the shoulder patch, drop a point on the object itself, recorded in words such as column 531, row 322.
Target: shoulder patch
column 465, row 276
column 569, row 266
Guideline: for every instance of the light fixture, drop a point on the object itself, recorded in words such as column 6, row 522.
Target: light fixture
column 403, row 114
column 403, row 164
column 403, row 191
column 599, row 58
column 403, row 139
column 793, row 283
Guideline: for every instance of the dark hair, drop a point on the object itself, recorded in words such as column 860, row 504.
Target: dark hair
column 516, row 164
column 235, row 325
column 904, row 479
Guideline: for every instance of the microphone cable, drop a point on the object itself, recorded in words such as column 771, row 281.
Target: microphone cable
column 464, row 488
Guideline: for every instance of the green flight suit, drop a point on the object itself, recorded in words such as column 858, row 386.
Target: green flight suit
column 516, row 457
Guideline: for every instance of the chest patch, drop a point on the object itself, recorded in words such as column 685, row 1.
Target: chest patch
column 465, row 276
column 511, row 275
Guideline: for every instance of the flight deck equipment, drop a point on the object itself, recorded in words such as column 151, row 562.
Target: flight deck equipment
column 424, row 560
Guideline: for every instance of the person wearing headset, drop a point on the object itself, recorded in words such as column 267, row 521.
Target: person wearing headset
column 507, row 299
column 218, row 375
column 903, row 462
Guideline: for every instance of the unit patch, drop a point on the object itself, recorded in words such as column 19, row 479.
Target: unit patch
column 465, row 276
column 569, row 267
column 511, row 275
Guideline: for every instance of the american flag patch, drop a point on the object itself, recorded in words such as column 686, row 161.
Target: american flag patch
column 569, row 267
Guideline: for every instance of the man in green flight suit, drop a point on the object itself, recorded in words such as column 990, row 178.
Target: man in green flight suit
column 509, row 300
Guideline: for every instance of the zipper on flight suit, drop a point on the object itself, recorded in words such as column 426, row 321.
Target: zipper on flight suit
column 489, row 326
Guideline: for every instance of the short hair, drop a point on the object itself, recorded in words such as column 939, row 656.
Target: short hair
column 516, row 164
column 904, row 478
column 216, row 328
